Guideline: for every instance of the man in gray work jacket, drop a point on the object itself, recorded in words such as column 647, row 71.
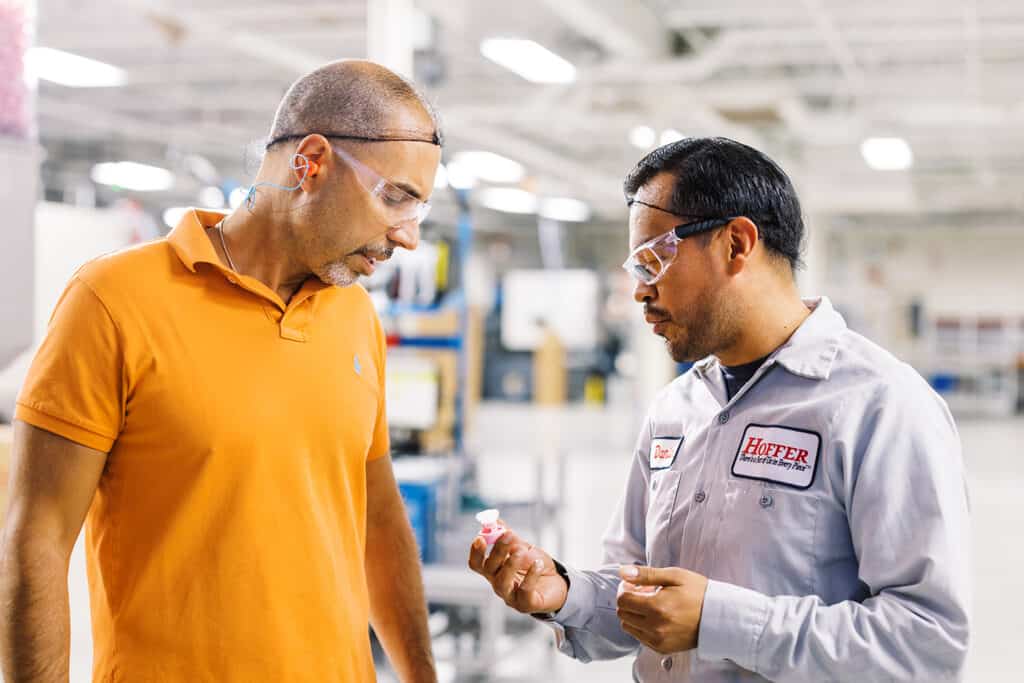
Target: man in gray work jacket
column 795, row 508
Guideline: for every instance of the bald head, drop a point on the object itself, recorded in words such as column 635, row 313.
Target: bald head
column 359, row 99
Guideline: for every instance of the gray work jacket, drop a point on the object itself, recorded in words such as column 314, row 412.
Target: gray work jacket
column 826, row 503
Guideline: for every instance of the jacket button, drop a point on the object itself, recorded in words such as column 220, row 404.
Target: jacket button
column 767, row 501
column 666, row 664
column 700, row 497
column 723, row 418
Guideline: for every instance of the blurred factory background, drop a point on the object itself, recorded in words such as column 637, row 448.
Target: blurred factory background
column 901, row 124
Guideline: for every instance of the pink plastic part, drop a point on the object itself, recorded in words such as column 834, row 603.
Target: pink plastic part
column 490, row 529
column 492, row 534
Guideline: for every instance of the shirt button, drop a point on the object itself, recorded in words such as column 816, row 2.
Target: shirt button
column 767, row 501
column 723, row 418
column 666, row 664
column 233, row 280
column 700, row 497
column 654, row 485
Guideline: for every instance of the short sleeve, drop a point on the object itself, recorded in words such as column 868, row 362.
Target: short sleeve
column 381, row 445
column 76, row 385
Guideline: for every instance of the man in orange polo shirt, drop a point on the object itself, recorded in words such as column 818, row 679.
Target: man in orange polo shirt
column 214, row 401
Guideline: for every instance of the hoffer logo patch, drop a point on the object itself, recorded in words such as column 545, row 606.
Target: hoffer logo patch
column 783, row 455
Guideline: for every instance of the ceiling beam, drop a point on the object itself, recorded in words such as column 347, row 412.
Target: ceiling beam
column 624, row 29
column 259, row 46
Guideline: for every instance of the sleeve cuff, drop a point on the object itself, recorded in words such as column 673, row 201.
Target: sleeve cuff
column 731, row 624
column 579, row 603
column 60, row 427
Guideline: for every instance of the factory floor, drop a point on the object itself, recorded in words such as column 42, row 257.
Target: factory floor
column 518, row 451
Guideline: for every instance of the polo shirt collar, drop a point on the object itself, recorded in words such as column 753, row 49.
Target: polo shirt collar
column 192, row 245
column 189, row 240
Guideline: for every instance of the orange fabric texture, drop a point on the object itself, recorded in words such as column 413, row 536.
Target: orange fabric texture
column 227, row 537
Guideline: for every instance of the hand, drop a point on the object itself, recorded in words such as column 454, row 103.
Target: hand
column 520, row 574
column 661, row 607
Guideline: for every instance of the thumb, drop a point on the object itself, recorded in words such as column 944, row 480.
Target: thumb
column 651, row 576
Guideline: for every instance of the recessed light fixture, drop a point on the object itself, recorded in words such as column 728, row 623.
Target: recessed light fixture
column 508, row 200
column 564, row 209
column 71, row 70
column 642, row 137
column 887, row 154
column 490, row 167
column 129, row 175
column 529, row 59
column 460, row 177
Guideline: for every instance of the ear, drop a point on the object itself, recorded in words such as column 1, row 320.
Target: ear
column 309, row 159
column 743, row 236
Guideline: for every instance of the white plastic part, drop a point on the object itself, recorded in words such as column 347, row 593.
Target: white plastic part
column 490, row 530
column 487, row 517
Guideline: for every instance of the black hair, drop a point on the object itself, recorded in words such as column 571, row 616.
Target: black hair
column 718, row 178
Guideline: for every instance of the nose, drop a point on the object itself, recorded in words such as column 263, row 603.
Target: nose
column 642, row 293
column 406, row 235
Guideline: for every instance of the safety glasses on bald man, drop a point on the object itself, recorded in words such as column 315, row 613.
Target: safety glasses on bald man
column 399, row 206
column 650, row 260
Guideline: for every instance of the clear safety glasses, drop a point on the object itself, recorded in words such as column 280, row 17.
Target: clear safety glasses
column 649, row 261
column 398, row 205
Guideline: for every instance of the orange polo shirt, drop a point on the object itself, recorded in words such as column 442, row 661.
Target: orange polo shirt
column 226, row 540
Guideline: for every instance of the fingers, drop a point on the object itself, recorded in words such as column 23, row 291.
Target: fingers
column 499, row 553
column 637, row 632
column 476, row 555
column 651, row 576
column 631, row 603
column 532, row 578
column 511, row 575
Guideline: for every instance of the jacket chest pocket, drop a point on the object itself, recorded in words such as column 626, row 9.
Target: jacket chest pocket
column 660, row 513
column 767, row 537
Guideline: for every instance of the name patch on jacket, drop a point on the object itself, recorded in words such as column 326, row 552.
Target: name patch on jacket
column 664, row 450
column 783, row 455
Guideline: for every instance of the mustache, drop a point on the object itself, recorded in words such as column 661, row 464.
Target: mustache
column 376, row 253
column 657, row 312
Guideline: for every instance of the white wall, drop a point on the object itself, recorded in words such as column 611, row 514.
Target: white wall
column 66, row 237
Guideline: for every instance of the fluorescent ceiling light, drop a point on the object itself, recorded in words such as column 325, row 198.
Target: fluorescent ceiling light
column 71, row 70
column 887, row 154
column 642, row 137
column 460, row 177
column 670, row 135
column 529, row 59
column 564, row 209
column 441, row 178
column 508, row 199
column 490, row 167
column 129, row 175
